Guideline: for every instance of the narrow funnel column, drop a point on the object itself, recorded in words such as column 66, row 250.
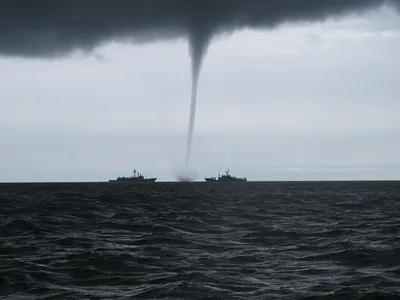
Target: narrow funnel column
column 198, row 44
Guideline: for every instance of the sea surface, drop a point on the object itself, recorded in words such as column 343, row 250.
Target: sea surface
column 254, row 240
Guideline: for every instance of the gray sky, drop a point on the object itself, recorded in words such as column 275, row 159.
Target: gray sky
column 311, row 101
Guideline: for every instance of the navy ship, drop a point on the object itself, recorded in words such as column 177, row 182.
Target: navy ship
column 225, row 177
column 137, row 177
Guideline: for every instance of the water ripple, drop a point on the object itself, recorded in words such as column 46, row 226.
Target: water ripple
column 200, row 241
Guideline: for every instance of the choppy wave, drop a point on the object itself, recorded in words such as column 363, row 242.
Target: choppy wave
column 200, row 241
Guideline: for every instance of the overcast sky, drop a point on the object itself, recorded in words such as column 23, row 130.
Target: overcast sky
column 316, row 101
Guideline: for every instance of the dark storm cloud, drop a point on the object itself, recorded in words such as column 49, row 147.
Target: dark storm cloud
column 55, row 27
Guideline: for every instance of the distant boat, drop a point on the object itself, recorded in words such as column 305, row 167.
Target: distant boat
column 226, row 177
column 137, row 177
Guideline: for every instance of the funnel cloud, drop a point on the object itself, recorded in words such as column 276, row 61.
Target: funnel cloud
column 198, row 47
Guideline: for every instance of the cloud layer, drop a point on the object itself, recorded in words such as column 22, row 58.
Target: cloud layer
column 46, row 28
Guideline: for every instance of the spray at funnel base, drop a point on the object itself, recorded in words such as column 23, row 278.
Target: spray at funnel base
column 187, row 176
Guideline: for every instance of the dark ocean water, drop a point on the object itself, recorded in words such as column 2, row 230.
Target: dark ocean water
column 200, row 241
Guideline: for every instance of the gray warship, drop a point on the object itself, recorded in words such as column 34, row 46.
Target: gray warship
column 225, row 178
column 137, row 177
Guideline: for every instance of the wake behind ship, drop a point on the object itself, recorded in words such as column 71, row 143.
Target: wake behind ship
column 226, row 177
column 137, row 177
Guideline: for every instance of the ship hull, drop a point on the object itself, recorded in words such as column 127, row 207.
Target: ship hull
column 225, row 180
column 134, row 180
column 210, row 179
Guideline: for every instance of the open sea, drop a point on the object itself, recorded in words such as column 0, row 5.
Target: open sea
column 246, row 240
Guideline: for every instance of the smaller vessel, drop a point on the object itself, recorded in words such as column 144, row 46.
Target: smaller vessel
column 137, row 177
column 226, row 177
